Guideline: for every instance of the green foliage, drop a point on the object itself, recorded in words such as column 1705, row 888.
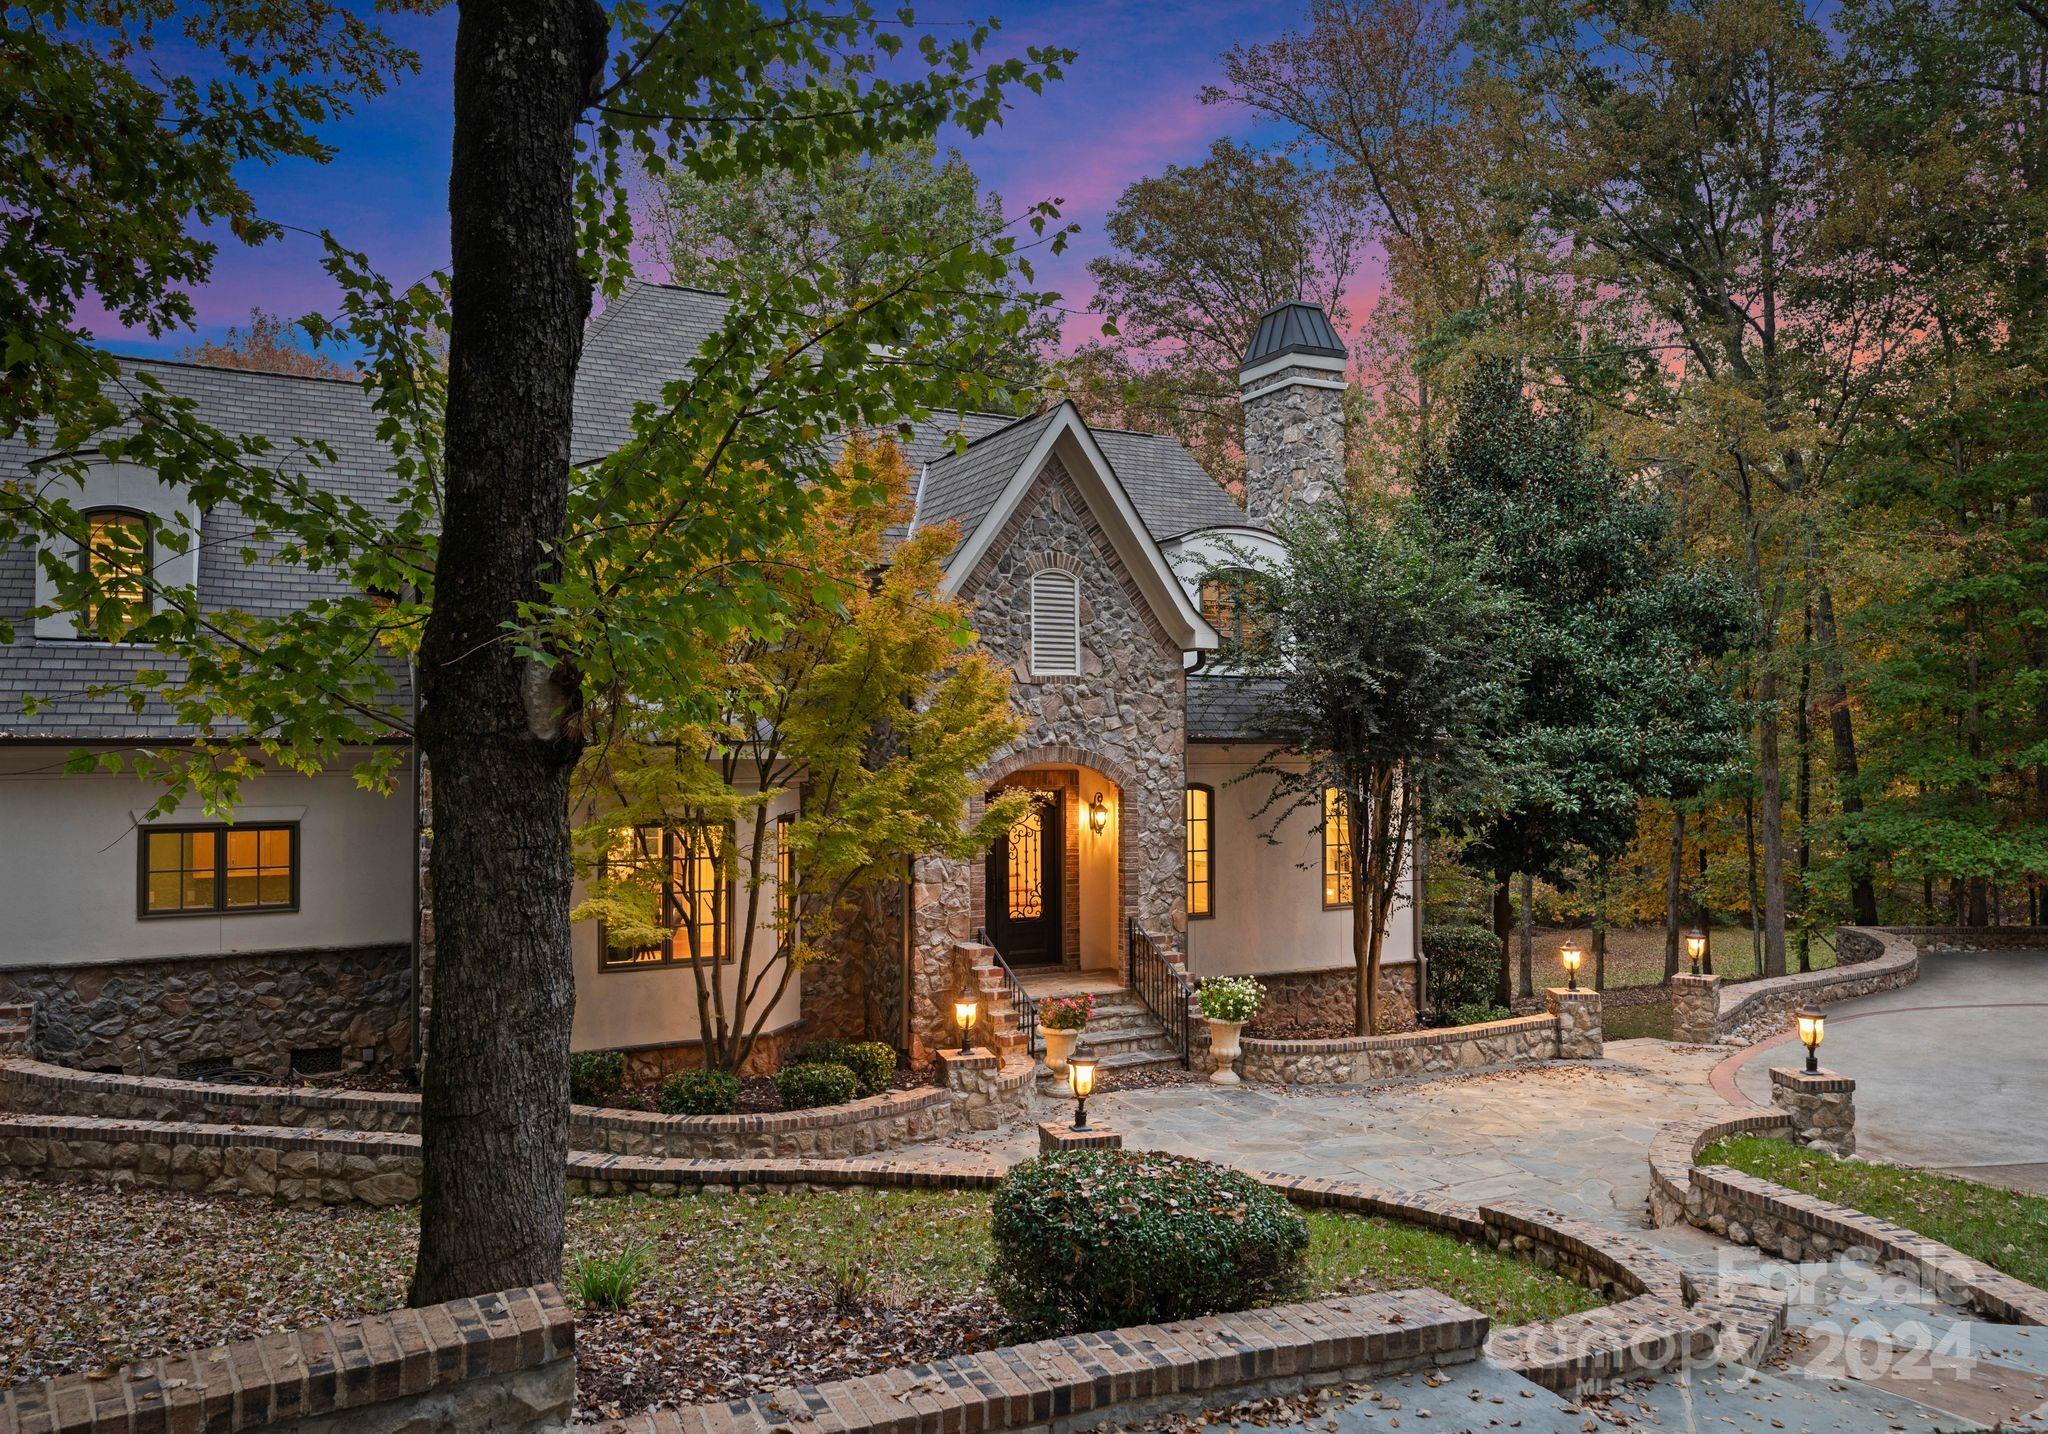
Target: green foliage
column 1463, row 960
column 698, row 1093
column 805, row 1087
column 872, row 1062
column 1103, row 1239
column 1229, row 998
column 609, row 1281
column 1475, row 1013
column 596, row 1076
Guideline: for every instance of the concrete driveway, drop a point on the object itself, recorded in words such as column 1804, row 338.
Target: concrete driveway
column 1951, row 1072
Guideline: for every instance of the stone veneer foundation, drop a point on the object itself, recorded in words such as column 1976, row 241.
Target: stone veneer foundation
column 1569, row 1030
column 251, row 1011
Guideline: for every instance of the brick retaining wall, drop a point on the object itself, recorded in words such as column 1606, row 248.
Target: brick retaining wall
column 504, row 1362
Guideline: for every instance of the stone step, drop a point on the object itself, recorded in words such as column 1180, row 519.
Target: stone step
column 1110, row 1065
column 1104, row 1044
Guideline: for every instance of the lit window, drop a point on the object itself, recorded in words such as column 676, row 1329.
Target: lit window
column 1201, row 847
column 1055, row 624
column 785, row 872
column 117, row 555
column 223, row 870
column 689, row 863
column 1025, row 880
column 1336, row 848
column 1227, row 607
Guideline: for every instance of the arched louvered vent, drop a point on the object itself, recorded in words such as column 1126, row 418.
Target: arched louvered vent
column 1055, row 624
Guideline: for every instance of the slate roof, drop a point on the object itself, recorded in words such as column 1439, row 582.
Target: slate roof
column 647, row 337
column 1296, row 328
column 1229, row 709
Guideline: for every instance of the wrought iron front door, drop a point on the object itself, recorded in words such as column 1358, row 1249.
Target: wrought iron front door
column 1025, row 871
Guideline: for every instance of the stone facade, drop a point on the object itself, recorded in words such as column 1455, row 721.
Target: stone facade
column 1695, row 1008
column 1358, row 1059
column 503, row 1362
column 1125, row 716
column 249, row 1011
column 1293, row 440
column 1328, row 998
column 1579, row 1035
column 1821, row 1106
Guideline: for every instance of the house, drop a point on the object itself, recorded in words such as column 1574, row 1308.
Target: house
column 297, row 937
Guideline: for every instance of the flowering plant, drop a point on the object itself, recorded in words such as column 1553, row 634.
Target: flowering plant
column 1066, row 1013
column 1230, row 998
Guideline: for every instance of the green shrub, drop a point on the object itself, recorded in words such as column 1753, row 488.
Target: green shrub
column 807, row 1086
column 596, row 1076
column 1100, row 1239
column 1475, row 1013
column 1464, row 965
column 698, row 1093
column 872, row 1062
column 608, row 1281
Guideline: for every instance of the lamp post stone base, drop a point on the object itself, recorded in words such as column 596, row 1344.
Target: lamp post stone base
column 1822, row 1106
column 1695, row 1006
column 1578, row 1022
column 1061, row 1135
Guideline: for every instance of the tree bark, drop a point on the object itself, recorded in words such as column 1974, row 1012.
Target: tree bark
column 1674, row 890
column 1503, row 927
column 1842, row 752
column 1802, row 789
column 1770, row 823
column 1526, row 978
column 502, row 731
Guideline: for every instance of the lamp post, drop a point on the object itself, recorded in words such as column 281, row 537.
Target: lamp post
column 1812, row 1027
column 1571, row 958
column 1695, row 948
column 1081, row 1080
column 1098, row 815
column 964, row 1011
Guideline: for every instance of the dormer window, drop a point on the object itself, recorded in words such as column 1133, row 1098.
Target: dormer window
column 117, row 555
column 1227, row 606
column 1055, row 624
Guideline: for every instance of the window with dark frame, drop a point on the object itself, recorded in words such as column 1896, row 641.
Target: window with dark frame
column 1336, row 849
column 1201, row 851
column 218, row 870
column 690, row 862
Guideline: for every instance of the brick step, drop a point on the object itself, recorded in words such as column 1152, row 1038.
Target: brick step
column 11, row 1015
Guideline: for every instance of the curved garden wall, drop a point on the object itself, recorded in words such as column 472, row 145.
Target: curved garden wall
column 1569, row 1030
column 980, row 1095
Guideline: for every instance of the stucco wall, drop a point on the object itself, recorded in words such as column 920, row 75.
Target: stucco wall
column 1270, row 916
column 68, row 885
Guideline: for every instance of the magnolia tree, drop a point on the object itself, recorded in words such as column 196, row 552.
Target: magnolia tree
column 524, row 597
column 1387, row 656
column 862, row 703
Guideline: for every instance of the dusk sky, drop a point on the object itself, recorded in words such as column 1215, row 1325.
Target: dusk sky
column 1128, row 106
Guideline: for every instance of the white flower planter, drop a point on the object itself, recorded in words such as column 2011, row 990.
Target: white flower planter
column 1223, row 1050
column 1059, row 1045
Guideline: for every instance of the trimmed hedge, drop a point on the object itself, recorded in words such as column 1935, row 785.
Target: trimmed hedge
column 806, row 1087
column 1101, row 1239
column 1464, row 965
column 872, row 1062
column 596, row 1076
column 698, row 1093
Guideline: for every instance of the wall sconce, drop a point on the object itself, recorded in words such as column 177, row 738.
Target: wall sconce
column 1571, row 958
column 1098, row 815
column 1696, row 948
column 964, row 1011
column 1812, row 1027
column 1081, row 1080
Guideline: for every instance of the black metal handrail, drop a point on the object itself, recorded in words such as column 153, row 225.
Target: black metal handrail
column 1020, row 1000
column 1167, row 993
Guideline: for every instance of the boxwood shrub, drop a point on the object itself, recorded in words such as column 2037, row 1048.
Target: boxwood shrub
column 806, row 1086
column 596, row 1076
column 872, row 1062
column 1464, row 965
column 698, row 1093
column 1101, row 1239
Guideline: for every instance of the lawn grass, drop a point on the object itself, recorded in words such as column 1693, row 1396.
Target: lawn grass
column 1625, row 1023
column 1354, row 1252
column 2006, row 1230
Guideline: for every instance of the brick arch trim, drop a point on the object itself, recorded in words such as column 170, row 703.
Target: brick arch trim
column 1060, row 755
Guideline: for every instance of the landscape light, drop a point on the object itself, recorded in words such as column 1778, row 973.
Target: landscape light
column 1081, row 1079
column 964, row 1012
column 1571, row 958
column 1812, row 1027
column 1696, row 948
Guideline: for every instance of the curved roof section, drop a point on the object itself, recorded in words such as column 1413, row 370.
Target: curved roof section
column 1293, row 328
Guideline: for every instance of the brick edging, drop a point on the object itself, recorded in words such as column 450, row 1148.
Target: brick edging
column 502, row 1361
column 1796, row 1226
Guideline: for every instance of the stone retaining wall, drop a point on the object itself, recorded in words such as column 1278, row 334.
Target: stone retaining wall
column 980, row 1101
column 1797, row 1226
column 1872, row 959
column 503, row 1362
column 1358, row 1059
column 251, row 1010
column 1120, row 1376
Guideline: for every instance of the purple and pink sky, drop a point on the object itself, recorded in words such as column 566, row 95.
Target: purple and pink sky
column 1128, row 107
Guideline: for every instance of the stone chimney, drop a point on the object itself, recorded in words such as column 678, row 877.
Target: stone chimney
column 1292, row 379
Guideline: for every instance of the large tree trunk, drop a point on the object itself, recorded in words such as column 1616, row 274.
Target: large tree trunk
column 1802, row 789
column 1674, row 889
column 1842, row 751
column 1526, row 966
column 499, row 730
column 1770, row 822
column 1503, row 926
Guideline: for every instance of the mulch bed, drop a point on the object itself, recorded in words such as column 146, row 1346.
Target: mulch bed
column 759, row 1096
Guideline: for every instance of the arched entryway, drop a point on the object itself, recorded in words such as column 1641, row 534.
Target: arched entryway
column 1052, row 887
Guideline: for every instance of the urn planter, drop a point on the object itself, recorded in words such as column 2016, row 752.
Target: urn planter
column 1058, row 1046
column 1223, row 1049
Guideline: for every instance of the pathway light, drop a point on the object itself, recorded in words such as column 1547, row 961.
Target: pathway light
column 1081, row 1080
column 1812, row 1027
column 1571, row 958
column 964, row 1011
column 1696, row 948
